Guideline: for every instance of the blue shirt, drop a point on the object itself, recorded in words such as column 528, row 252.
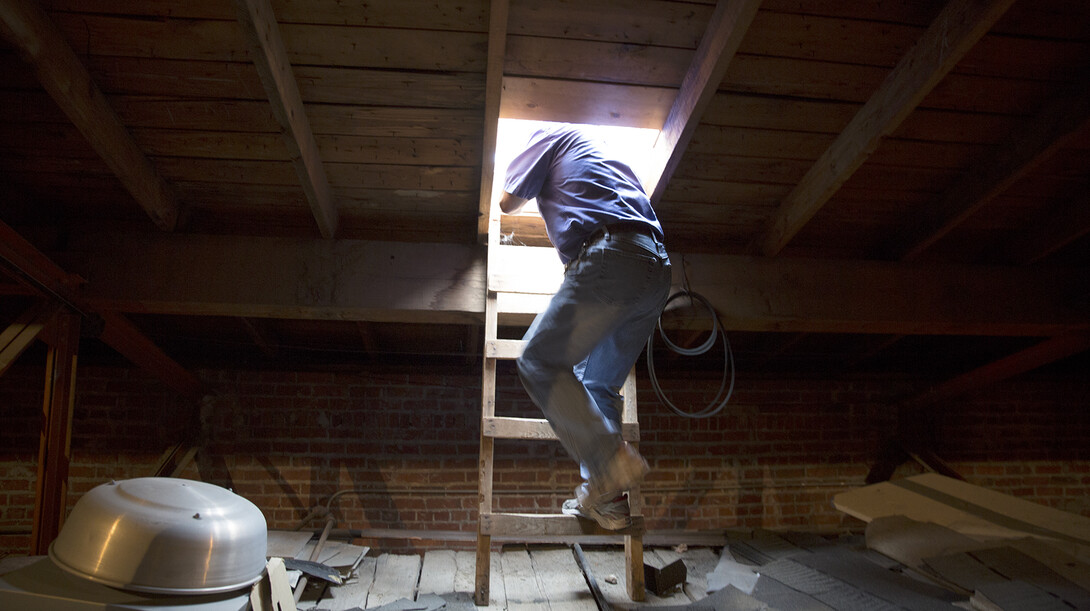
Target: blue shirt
column 578, row 189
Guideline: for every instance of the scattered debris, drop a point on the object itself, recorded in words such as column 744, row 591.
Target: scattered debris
column 662, row 580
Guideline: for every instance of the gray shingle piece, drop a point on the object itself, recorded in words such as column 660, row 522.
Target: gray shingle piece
column 1017, row 596
column 847, row 598
column 779, row 596
column 798, row 577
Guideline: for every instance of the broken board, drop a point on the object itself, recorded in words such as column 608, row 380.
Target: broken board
column 968, row 509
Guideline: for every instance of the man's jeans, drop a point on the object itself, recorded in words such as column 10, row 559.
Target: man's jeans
column 580, row 349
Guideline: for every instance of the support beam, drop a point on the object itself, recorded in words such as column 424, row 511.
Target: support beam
column 1022, row 151
column 951, row 35
column 27, row 264
column 21, row 333
column 123, row 336
column 62, row 74
column 433, row 283
column 497, row 45
column 55, row 443
column 1039, row 355
column 271, row 59
column 728, row 25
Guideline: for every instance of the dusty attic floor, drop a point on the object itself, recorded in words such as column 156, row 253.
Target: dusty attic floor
column 755, row 570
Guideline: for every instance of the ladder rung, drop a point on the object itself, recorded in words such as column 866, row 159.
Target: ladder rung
column 506, row 427
column 503, row 348
column 524, row 524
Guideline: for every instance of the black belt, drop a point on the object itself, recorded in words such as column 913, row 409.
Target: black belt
column 622, row 227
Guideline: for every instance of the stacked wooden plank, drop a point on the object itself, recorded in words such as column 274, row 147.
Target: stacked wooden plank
column 1001, row 552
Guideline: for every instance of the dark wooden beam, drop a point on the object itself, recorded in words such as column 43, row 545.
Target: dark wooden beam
column 497, row 45
column 271, row 59
column 62, row 74
column 55, row 443
column 1024, row 149
column 956, row 29
column 444, row 283
column 727, row 27
column 21, row 333
column 130, row 342
column 1038, row 355
column 1052, row 232
column 27, row 264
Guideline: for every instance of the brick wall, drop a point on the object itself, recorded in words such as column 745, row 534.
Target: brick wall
column 395, row 450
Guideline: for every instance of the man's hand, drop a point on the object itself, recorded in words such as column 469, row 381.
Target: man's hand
column 510, row 204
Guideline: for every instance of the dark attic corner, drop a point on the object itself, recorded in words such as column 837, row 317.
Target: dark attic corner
column 269, row 272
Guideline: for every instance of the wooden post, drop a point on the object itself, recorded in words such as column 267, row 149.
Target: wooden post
column 55, row 446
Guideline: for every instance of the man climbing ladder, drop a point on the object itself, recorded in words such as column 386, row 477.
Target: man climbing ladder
column 616, row 282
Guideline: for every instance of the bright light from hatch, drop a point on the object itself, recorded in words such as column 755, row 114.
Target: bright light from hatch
column 631, row 145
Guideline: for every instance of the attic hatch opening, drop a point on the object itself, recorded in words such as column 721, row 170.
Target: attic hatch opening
column 632, row 145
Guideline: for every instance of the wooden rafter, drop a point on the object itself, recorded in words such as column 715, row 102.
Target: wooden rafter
column 1023, row 150
column 497, row 44
column 66, row 79
column 956, row 29
column 271, row 59
column 1053, row 232
column 1038, row 355
column 21, row 333
column 37, row 271
column 728, row 25
column 123, row 336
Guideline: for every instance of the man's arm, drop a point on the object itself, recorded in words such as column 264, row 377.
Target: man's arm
column 511, row 204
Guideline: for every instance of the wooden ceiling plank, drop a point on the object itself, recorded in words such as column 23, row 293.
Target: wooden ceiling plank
column 497, row 45
column 950, row 36
column 22, row 332
column 271, row 59
column 724, row 34
column 62, row 74
column 399, row 282
column 1024, row 149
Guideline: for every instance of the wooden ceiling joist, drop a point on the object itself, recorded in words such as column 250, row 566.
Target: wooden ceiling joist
column 728, row 25
column 952, row 34
column 497, row 45
column 271, row 59
column 440, row 283
column 1030, row 144
column 62, row 74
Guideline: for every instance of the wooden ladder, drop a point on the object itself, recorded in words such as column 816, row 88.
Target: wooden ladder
column 520, row 281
